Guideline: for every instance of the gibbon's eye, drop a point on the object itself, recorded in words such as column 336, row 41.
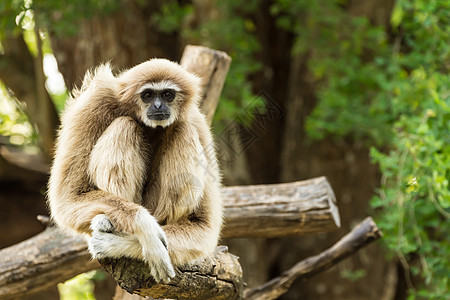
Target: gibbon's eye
column 168, row 95
column 147, row 95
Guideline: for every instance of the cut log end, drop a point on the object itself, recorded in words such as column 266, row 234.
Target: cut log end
column 212, row 67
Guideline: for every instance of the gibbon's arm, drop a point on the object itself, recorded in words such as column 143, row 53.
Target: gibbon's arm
column 190, row 197
column 196, row 236
column 72, row 196
column 191, row 208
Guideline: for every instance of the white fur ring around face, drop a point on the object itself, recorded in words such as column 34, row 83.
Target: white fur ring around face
column 101, row 223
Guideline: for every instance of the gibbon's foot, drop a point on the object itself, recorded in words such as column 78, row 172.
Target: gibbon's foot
column 101, row 223
column 102, row 245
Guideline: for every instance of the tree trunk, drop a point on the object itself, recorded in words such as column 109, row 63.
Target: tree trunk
column 212, row 66
column 348, row 167
column 24, row 75
column 125, row 38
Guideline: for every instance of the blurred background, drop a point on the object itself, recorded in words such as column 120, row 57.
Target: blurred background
column 355, row 90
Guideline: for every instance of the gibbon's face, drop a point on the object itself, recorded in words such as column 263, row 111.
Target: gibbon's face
column 159, row 102
column 162, row 90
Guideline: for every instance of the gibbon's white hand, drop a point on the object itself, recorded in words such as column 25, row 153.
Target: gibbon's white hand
column 107, row 243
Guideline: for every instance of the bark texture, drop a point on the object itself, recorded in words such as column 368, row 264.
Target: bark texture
column 216, row 277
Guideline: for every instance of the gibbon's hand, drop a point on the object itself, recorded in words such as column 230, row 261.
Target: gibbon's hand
column 149, row 245
column 154, row 246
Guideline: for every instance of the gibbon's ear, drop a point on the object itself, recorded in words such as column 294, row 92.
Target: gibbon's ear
column 198, row 85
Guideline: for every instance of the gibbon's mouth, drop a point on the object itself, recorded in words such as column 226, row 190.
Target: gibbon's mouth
column 158, row 116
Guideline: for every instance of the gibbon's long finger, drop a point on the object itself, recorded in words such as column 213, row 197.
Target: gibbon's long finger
column 102, row 245
column 155, row 273
column 160, row 266
column 157, row 257
column 101, row 223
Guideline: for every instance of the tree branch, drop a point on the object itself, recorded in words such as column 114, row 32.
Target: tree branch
column 364, row 233
column 276, row 210
column 134, row 277
column 41, row 262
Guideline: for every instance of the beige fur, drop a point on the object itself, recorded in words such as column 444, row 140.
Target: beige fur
column 158, row 187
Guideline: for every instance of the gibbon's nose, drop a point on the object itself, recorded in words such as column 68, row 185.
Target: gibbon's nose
column 157, row 103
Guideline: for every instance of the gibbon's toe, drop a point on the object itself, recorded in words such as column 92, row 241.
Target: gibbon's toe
column 96, row 247
column 101, row 223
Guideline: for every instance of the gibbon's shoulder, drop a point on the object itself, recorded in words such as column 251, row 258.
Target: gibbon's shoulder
column 98, row 85
column 97, row 96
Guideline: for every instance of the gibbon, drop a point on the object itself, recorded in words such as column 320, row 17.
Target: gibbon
column 135, row 167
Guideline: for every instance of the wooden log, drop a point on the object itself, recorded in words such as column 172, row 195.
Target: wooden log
column 42, row 261
column 52, row 256
column 364, row 233
column 216, row 277
column 276, row 210
column 212, row 67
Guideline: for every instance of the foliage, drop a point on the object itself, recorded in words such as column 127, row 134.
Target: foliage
column 80, row 287
column 392, row 92
column 237, row 38
column 13, row 122
column 62, row 17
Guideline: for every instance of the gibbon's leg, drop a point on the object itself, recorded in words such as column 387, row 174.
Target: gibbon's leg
column 117, row 166
column 196, row 236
